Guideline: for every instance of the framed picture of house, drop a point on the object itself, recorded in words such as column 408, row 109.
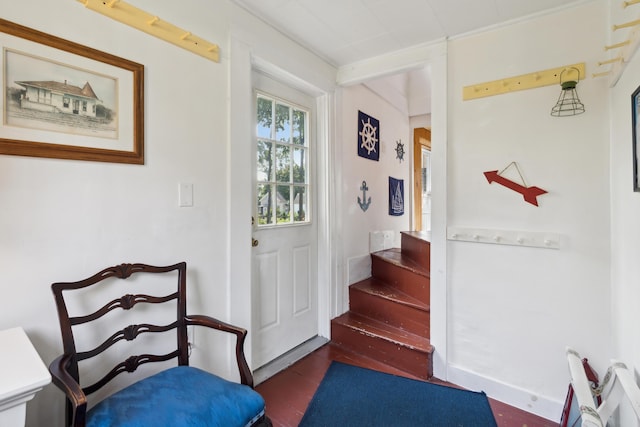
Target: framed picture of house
column 635, row 120
column 68, row 101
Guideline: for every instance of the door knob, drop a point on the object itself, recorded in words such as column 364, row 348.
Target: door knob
column 254, row 242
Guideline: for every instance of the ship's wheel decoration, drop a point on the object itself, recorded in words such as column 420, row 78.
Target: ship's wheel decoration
column 368, row 136
column 364, row 203
column 530, row 194
column 399, row 150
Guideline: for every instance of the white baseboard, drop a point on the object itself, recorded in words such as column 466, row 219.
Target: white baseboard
column 519, row 398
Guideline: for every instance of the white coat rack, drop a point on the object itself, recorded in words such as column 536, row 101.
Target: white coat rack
column 505, row 237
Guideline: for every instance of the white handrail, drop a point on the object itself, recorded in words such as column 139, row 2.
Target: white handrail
column 582, row 391
column 622, row 384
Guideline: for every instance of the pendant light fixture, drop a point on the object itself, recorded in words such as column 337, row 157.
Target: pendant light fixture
column 568, row 102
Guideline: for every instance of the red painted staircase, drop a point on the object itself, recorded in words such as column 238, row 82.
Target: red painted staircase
column 388, row 317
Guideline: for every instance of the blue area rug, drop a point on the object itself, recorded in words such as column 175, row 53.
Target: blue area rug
column 352, row 396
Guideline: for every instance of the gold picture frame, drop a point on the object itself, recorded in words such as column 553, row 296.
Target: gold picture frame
column 68, row 101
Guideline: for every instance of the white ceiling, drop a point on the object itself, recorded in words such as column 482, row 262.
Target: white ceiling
column 347, row 31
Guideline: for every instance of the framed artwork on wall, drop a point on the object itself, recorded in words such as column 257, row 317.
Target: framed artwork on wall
column 635, row 120
column 68, row 101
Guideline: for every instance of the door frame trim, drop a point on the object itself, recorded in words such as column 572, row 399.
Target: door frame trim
column 242, row 64
column 421, row 138
column 432, row 56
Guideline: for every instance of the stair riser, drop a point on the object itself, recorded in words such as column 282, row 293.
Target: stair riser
column 407, row 281
column 417, row 249
column 409, row 360
column 409, row 318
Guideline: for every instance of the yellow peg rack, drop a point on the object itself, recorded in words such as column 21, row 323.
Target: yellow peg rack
column 150, row 24
column 629, row 3
column 525, row 81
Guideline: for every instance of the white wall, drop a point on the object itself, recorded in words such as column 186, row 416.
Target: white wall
column 512, row 310
column 64, row 220
column 422, row 121
column 394, row 126
column 625, row 210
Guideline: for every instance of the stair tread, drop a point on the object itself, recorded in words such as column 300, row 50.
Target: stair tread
column 385, row 331
column 381, row 289
column 396, row 257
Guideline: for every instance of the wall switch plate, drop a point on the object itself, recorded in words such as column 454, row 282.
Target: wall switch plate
column 185, row 194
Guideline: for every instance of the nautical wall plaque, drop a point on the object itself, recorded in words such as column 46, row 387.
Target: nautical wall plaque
column 368, row 137
column 396, row 196
column 399, row 150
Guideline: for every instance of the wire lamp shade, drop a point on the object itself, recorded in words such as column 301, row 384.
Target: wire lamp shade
column 568, row 102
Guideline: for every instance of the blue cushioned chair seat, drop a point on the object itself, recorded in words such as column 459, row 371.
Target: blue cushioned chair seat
column 180, row 396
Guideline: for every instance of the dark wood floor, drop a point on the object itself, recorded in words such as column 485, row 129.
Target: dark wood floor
column 288, row 393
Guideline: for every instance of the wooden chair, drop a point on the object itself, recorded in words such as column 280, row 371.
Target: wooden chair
column 174, row 396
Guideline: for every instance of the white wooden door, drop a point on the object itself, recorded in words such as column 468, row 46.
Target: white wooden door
column 284, row 259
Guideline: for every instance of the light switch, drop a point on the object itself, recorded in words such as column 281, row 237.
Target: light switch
column 185, row 194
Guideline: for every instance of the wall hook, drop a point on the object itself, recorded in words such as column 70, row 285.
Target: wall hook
column 604, row 73
column 610, row 61
column 617, row 45
column 626, row 24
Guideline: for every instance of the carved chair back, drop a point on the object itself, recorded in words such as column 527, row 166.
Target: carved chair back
column 75, row 325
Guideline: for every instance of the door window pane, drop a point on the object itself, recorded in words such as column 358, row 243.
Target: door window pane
column 284, row 211
column 299, row 127
column 299, row 203
column 283, row 123
column 282, row 159
column 265, row 204
column 299, row 167
column 264, row 161
column 265, row 117
column 283, row 163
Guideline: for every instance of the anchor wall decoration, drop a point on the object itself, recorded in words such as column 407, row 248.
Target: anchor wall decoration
column 530, row 194
column 364, row 203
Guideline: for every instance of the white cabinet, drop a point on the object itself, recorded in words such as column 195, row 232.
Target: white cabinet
column 22, row 375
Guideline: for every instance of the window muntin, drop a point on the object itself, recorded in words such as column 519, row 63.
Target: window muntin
column 282, row 162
